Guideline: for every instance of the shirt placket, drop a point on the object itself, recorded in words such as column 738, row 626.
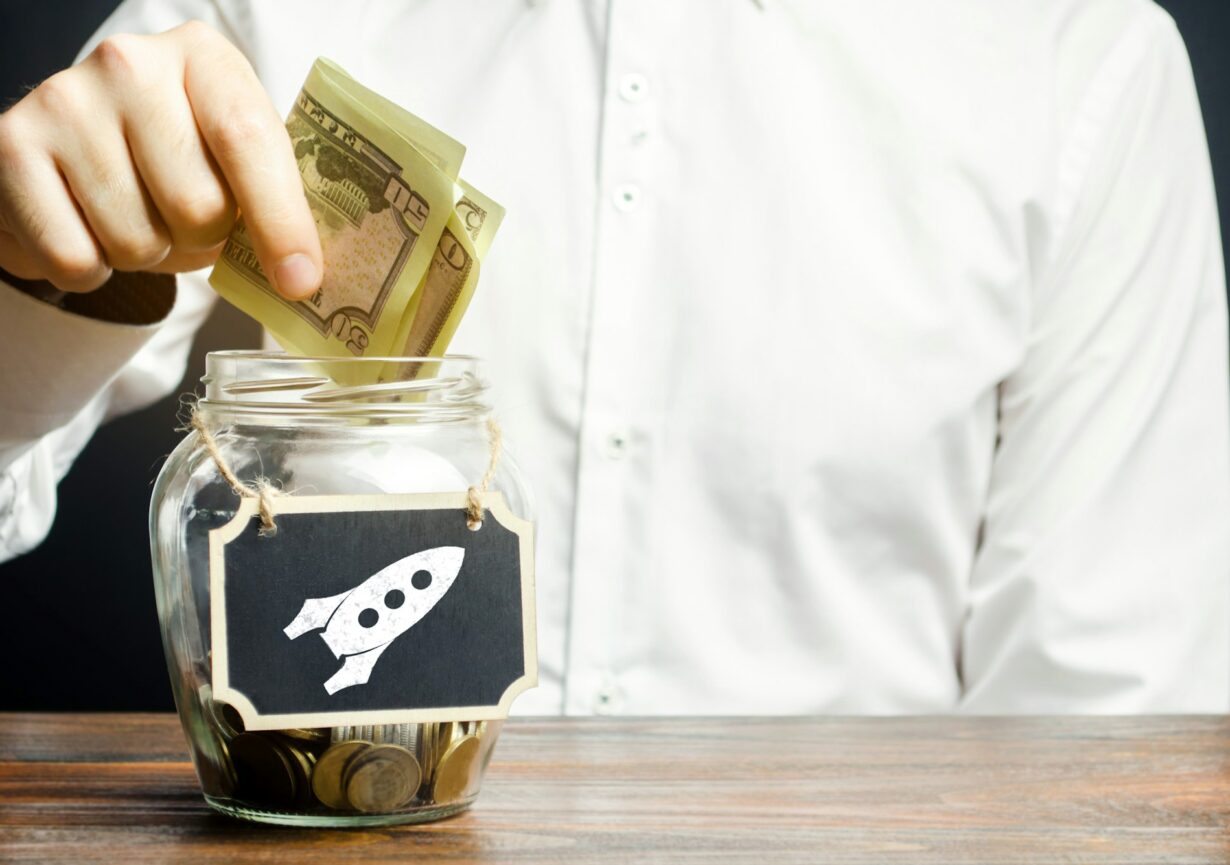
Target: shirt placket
column 610, row 539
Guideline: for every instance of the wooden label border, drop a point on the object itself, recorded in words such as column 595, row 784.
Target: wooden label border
column 494, row 506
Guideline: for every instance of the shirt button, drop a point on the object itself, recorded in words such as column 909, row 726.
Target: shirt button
column 608, row 700
column 627, row 197
column 616, row 444
column 633, row 87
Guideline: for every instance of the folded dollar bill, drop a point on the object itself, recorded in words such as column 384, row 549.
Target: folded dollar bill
column 402, row 235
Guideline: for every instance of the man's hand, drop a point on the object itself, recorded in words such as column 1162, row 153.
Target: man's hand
column 136, row 159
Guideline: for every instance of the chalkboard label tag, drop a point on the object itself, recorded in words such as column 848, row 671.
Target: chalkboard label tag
column 372, row 609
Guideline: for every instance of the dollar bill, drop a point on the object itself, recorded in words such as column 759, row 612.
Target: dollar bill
column 444, row 152
column 480, row 216
column 382, row 188
column 444, row 295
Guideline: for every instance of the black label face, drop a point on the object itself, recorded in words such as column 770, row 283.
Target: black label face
column 372, row 609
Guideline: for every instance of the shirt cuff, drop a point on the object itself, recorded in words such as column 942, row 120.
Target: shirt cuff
column 59, row 350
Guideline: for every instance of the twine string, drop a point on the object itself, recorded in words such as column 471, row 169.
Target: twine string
column 260, row 489
column 265, row 492
column 474, row 500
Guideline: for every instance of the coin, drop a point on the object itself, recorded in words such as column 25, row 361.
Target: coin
column 301, row 761
column 229, row 719
column 213, row 765
column 224, row 716
column 488, row 732
column 395, row 734
column 265, row 772
column 327, row 776
column 444, row 735
column 455, row 770
column 423, row 751
column 406, row 736
column 433, row 740
column 382, row 778
column 304, row 734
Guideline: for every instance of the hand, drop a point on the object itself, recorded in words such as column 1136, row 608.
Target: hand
column 136, row 159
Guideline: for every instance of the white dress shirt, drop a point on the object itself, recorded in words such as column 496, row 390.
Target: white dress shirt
column 865, row 357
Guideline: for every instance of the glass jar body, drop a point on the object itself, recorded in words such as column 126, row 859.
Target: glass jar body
column 429, row 438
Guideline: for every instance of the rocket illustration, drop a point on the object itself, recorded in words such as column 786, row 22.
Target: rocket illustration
column 360, row 623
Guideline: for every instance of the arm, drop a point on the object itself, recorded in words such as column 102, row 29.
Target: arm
column 131, row 161
column 1102, row 583
column 66, row 370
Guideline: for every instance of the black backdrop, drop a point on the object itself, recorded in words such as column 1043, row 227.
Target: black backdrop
column 81, row 606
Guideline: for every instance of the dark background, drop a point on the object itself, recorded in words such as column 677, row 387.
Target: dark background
column 80, row 608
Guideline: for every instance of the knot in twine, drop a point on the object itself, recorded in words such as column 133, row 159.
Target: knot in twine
column 474, row 495
column 264, row 491
column 261, row 489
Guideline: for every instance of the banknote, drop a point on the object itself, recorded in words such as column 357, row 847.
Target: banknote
column 444, row 295
column 444, row 152
column 480, row 216
column 382, row 188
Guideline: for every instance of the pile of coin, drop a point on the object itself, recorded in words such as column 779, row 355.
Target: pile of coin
column 368, row 769
column 275, row 768
column 364, row 776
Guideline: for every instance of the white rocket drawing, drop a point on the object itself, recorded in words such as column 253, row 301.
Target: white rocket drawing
column 360, row 623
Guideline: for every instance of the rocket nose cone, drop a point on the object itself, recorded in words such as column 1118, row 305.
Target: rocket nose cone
column 450, row 561
column 434, row 571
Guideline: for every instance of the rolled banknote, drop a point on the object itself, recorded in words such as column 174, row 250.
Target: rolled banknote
column 382, row 187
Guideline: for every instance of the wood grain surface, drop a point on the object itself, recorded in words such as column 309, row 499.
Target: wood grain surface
column 118, row 788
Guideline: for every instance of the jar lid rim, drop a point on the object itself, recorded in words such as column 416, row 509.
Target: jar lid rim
column 279, row 383
column 284, row 356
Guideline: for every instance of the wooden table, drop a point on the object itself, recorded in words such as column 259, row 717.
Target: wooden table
column 117, row 788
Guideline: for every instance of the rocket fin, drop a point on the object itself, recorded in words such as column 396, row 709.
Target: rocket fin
column 314, row 614
column 355, row 670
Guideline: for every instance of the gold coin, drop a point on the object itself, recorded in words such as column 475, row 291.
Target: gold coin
column 382, row 778
column 423, row 751
column 265, row 772
column 213, row 765
column 327, row 776
column 304, row 734
column 301, row 763
column 434, row 739
column 444, row 736
column 228, row 719
column 312, row 748
column 488, row 732
column 455, row 770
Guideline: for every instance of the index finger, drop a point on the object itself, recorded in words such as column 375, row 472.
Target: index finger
column 250, row 144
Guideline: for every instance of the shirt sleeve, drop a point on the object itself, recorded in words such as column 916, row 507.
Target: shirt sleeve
column 1102, row 580
column 67, row 367
column 62, row 373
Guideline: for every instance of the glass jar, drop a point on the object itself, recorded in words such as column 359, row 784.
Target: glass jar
column 287, row 421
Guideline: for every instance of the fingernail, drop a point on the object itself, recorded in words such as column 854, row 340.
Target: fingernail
column 296, row 276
